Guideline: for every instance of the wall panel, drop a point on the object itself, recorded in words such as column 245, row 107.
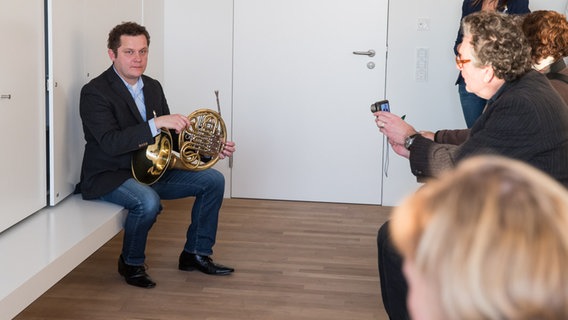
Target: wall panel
column 22, row 105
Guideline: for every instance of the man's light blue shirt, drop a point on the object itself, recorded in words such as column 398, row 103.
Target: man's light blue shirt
column 138, row 96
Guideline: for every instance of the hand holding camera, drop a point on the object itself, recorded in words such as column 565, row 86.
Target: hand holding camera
column 392, row 126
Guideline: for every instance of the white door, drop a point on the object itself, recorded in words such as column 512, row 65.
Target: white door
column 301, row 98
column 23, row 186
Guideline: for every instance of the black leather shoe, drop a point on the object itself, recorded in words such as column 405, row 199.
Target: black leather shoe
column 190, row 261
column 135, row 275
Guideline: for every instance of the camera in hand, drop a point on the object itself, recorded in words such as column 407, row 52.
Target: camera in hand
column 382, row 105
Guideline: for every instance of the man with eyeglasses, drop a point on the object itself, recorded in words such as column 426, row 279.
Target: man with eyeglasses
column 122, row 111
column 525, row 119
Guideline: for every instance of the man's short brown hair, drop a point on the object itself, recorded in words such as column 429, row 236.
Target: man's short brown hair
column 128, row 29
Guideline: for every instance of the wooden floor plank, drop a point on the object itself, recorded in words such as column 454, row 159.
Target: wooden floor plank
column 293, row 260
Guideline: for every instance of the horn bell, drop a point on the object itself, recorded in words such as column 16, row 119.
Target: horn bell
column 150, row 164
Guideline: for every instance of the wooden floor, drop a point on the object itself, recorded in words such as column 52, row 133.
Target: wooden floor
column 293, row 260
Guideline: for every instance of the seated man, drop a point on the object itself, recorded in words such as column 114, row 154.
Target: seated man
column 525, row 119
column 122, row 111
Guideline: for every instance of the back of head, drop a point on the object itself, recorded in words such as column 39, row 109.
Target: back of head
column 491, row 239
column 498, row 41
column 547, row 33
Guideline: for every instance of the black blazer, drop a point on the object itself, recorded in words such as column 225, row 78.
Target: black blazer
column 113, row 129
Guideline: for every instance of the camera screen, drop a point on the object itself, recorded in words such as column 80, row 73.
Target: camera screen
column 380, row 106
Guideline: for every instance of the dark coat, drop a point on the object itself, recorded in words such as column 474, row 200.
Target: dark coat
column 525, row 120
column 113, row 129
column 560, row 85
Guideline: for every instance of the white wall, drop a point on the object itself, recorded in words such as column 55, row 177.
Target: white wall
column 198, row 60
column 152, row 17
column 203, row 50
column 431, row 104
column 556, row 5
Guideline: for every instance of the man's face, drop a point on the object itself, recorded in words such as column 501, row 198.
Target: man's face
column 131, row 57
column 472, row 75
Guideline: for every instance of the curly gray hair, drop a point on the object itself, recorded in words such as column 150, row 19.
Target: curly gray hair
column 498, row 41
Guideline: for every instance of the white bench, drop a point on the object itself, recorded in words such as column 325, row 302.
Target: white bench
column 40, row 250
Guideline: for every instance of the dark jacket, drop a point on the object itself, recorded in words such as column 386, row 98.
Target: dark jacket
column 526, row 120
column 561, row 86
column 113, row 129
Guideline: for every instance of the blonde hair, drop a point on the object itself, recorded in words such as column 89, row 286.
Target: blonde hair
column 492, row 239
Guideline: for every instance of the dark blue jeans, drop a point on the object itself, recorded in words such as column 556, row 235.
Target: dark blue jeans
column 472, row 105
column 143, row 205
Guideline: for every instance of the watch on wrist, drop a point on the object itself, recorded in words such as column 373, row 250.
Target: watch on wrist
column 409, row 140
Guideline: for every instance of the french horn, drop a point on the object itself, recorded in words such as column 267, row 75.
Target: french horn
column 199, row 147
column 203, row 140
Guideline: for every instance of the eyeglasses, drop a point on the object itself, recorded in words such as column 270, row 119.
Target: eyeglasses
column 461, row 62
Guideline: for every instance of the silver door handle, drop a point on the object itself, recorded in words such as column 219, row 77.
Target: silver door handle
column 370, row 53
column 6, row 96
